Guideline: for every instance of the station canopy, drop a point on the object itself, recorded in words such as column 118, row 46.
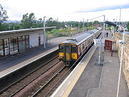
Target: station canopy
column 111, row 23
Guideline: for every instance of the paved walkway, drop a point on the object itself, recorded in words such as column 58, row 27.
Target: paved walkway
column 8, row 61
column 100, row 81
column 109, row 78
column 90, row 77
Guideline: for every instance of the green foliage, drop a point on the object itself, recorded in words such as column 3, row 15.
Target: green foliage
column 28, row 20
column 10, row 26
column 128, row 26
column 3, row 14
column 64, row 28
column 96, row 22
column 58, row 32
column 3, row 17
column 3, row 26
column 52, row 22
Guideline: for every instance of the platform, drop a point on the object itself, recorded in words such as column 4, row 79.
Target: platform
column 65, row 88
column 96, row 80
column 100, row 81
column 10, row 64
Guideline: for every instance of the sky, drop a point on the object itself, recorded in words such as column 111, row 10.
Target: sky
column 68, row 10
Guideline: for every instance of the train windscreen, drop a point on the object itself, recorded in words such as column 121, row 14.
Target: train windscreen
column 62, row 48
column 74, row 49
column 68, row 49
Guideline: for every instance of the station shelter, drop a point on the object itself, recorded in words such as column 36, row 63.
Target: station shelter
column 17, row 41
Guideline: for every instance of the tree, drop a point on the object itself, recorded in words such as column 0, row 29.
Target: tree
column 96, row 22
column 3, row 16
column 52, row 22
column 28, row 20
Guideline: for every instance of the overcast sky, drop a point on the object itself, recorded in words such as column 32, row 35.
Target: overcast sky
column 65, row 10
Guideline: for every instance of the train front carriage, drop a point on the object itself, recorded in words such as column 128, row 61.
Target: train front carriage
column 68, row 53
column 72, row 49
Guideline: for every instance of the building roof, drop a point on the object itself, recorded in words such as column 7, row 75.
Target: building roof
column 110, row 23
column 24, row 30
column 126, row 32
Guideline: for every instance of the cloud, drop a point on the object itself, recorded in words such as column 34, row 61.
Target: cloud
column 104, row 8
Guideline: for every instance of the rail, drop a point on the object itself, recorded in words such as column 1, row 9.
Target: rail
column 27, row 75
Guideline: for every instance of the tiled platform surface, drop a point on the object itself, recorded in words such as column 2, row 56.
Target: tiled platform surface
column 109, row 78
column 65, row 88
column 100, row 81
column 96, row 80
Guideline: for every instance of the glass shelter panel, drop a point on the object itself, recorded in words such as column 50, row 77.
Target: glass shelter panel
column 6, row 47
column 21, row 40
column 1, row 47
column 27, row 41
column 13, row 45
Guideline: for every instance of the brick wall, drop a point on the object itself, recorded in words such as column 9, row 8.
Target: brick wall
column 125, row 63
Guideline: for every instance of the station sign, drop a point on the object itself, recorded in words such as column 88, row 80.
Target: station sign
column 97, row 42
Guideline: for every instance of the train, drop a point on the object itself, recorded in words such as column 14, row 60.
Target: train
column 75, row 47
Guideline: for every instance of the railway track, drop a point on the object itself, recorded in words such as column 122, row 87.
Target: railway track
column 52, row 84
column 47, row 89
column 42, row 82
column 19, row 84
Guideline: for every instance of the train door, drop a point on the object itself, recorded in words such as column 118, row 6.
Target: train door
column 74, row 52
column 67, row 53
column 61, row 51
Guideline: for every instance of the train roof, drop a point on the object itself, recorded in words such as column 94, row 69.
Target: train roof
column 80, row 37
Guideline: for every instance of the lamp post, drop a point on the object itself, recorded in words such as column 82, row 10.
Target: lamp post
column 87, row 25
column 44, row 31
column 121, row 58
column 103, row 25
column 120, row 17
column 100, row 40
column 78, row 27
column 83, row 24
column 71, row 30
column 121, row 61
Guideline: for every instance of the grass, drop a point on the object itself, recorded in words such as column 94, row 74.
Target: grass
column 65, row 32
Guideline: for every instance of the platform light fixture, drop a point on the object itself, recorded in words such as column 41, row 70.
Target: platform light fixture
column 122, row 42
column 44, row 31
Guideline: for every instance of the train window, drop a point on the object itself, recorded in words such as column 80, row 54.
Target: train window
column 61, row 47
column 85, row 43
column 68, row 49
column 83, row 46
column 79, row 49
column 74, row 49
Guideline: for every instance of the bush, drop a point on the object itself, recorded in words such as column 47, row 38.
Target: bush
column 128, row 26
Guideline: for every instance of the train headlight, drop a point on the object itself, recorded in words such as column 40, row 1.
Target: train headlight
column 61, row 55
column 74, row 56
column 67, row 56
